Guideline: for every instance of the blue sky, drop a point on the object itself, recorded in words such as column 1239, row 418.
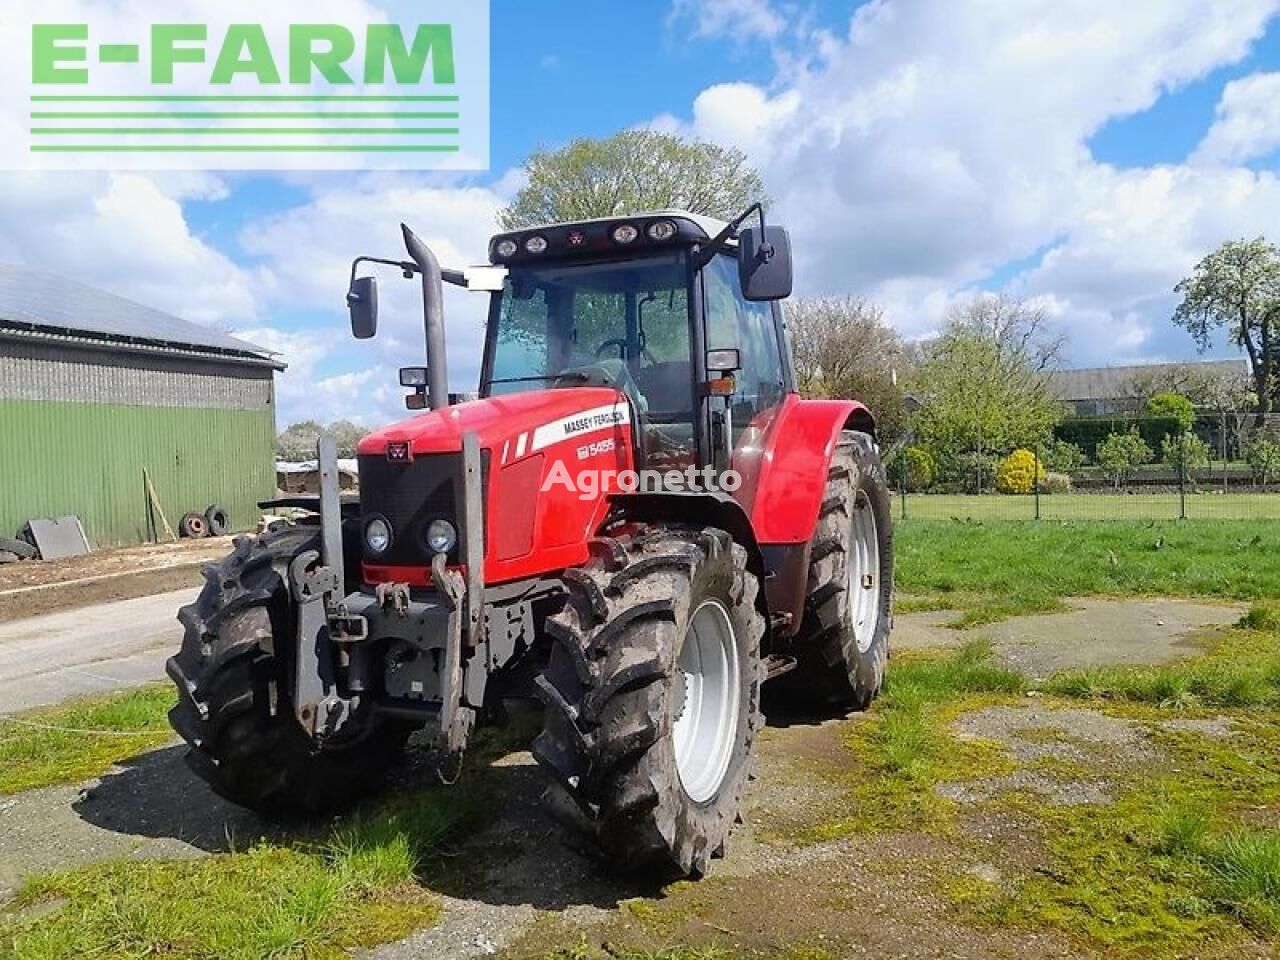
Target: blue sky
column 1081, row 155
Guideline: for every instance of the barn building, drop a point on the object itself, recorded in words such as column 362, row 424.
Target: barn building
column 95, row 389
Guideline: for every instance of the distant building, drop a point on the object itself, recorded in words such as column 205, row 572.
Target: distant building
column 1102, row 391
column 95, row 388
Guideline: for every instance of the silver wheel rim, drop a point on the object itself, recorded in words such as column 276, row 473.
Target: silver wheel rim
column 864, row 573
column 706, row 707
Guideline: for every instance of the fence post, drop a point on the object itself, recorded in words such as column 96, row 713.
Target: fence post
column 1182, row 477
column 902, row 485
column 1035, row 478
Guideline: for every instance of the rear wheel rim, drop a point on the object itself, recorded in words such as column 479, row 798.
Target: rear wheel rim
column 864, row 573
column 707, row 701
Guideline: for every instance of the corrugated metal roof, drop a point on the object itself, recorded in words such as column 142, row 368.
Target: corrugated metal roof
column 1119, row 383
column 30, row 299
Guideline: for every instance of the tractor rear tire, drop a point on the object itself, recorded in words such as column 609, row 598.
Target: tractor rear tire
column 660, row 631
column 234, row 682
column 843, row 647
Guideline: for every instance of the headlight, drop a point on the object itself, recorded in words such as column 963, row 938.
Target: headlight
column 377, row 535
column 507, row 248
column 625, row 234
column 536, row 245
column 442, row 536
column 661, row 230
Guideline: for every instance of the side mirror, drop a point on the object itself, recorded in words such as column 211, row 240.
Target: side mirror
column 764, row 263
column 362, row 301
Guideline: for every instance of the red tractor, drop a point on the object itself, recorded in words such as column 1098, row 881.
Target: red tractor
column 639, row 522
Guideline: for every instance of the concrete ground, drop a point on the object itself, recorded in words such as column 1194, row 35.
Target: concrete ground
column 1095, row 632
column 94, row 649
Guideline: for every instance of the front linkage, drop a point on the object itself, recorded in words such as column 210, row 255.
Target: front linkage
column 442, row 683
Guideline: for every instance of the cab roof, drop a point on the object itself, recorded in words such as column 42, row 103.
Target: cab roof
column 588, row 238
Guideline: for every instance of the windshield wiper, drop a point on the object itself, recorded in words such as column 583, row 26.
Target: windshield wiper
column 549, row 376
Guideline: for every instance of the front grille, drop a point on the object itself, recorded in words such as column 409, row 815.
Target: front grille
column 411, row 495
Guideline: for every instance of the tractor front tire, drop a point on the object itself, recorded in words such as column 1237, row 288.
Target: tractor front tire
column 234, row 682
column 844, row 643
column 652, row 698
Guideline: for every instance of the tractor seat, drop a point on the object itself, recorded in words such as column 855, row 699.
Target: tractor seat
column 667, row 389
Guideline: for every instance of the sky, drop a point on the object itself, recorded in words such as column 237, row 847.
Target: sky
column 1084, row 155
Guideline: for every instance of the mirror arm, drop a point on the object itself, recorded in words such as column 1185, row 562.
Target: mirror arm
column 457, row 278
column 730, row 231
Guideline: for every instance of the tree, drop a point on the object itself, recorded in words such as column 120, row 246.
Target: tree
column 1173, row 407
column 632, row 171
column 1263, row 455
column 1237, row 287
column 347, row 436
column 985, row 380
column 1121, row 454
column 842, row 347
column 298, row 441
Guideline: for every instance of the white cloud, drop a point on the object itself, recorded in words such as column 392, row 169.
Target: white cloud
column 1247, row 125
column 936, row 141
column 126, row 233
column 741, row 19
column 307, row 253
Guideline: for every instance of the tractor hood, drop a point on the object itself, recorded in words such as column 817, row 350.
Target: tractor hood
column 532, row 421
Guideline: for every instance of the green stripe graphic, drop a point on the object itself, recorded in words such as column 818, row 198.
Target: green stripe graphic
column 236, row 98
column 218, row 131
column 40, row 115
column 242, row 148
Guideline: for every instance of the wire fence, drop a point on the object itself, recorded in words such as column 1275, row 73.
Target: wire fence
column 1224, row 466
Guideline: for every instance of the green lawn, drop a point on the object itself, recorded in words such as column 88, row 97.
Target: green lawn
column 1205, row 505
column 999, row 568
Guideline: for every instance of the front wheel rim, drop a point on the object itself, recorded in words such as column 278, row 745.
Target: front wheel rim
column 707, row 700
column 864, row 573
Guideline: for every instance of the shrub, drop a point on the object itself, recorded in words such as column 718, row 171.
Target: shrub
column 975, row 472
column 1054, row 482
column 1175, row 407
column 1019, row 472
column 1122, row 453
column 922, row 469
column 1188, row 450
column 1062, row 456
column 1263, row 456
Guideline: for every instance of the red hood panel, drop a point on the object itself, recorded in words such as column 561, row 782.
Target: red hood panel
column 494, row 420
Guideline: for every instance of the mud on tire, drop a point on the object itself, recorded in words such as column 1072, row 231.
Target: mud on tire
column 843, row 646
column 234, row 683
column 613, row 690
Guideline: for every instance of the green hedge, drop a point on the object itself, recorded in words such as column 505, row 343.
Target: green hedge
column 1087, row 432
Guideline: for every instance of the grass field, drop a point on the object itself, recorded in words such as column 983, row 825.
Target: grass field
column 1204, row 505
column 996, row 569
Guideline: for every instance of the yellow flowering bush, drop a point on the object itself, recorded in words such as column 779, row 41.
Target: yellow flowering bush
column 1017, row 473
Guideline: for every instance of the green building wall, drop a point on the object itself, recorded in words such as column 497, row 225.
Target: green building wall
column 59, row 458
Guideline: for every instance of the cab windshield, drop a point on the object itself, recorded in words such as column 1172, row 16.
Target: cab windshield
column 622, row 324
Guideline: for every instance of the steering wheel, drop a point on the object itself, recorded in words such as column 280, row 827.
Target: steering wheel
column 621, row 345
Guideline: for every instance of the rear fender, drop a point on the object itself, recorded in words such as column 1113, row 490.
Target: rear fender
column 791, row 480
column 793, row 470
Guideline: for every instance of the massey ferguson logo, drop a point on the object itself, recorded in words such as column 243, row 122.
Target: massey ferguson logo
column 398, row 452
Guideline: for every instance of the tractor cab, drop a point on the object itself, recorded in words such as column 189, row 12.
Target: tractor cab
column 661, row 307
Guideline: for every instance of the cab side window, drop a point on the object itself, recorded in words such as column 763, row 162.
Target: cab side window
column 734, row 322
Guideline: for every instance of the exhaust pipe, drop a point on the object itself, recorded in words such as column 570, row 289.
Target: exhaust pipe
column 433, row 316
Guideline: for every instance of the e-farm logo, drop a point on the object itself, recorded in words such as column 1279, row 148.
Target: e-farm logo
column 279, row 95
